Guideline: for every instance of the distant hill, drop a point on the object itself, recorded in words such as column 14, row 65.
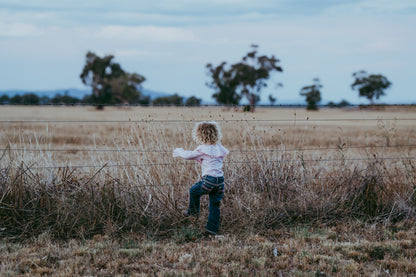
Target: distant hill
column 154, row 94
column 74, row 92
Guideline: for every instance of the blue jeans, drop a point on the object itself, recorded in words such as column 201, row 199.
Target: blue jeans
column 214, row 187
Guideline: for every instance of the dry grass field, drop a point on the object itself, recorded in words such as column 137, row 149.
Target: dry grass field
column 87, row 192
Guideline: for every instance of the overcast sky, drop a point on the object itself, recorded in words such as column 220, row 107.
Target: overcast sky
column 43, row 43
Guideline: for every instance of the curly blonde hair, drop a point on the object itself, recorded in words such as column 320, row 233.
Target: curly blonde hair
column 207, row 132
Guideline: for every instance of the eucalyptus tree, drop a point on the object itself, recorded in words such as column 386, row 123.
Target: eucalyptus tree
column 312, row 94
column 243, row 79
column 370, row 85
column 109, row 82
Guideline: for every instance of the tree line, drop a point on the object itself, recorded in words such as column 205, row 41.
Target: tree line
column 31, row 98
column 111, row 85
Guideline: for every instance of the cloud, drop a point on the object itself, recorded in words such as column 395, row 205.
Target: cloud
column 131, row 53
column 388, row 5
column 184, row 12
column 374, row 7
column 19, row 30
column 146, row 33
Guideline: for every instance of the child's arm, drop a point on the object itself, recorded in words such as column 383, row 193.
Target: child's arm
column 188, row 155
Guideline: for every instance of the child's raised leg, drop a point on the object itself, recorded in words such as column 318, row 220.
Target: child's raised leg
column 195, row 194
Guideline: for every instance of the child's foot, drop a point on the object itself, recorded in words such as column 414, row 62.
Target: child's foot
column 187, row 214
column 210, row 233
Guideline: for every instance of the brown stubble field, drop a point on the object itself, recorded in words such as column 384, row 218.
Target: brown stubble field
column 98, row 192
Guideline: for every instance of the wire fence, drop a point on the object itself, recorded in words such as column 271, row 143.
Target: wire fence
column 300, row 160
column 181, row 121
column 341, row 148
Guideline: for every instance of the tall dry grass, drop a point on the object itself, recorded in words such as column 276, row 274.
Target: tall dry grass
column 78, row 179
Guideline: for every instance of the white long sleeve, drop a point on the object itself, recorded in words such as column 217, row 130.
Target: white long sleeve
column 209, row 156
column 187, row 155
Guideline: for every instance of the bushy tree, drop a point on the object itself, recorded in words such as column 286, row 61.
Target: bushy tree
column 312, row 94
column 174, row 100
column 343, row 103
column 246, row 78
column 252, row 74
column 272, row 99
column 44, row 100
column 4, row 99
column 193, row 101
column 65, row 99
column 16, row 100
column 109, row 82
column 224, row 84
column 30, row 99
column 370, row 86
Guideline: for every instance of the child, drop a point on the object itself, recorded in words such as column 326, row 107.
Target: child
column 210, row 155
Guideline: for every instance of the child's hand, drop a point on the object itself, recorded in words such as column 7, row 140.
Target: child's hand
column 175, row 152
